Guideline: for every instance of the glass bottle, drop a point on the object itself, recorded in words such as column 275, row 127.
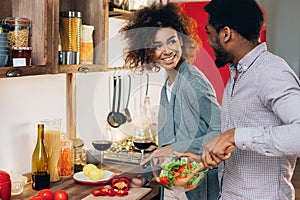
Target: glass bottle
column 40, row 173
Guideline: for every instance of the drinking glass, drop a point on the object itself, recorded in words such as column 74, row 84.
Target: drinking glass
column 102, row 143
column 142, row 139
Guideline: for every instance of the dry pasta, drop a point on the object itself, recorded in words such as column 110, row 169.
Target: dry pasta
column 52, row 143
column 18, row 38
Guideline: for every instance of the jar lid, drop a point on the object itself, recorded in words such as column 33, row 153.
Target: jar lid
column 21, row 48
column 77, row 142
column 4, row 176
column 70, row 14
column 16, row 20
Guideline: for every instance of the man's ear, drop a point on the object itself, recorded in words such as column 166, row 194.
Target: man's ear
column 226, row 34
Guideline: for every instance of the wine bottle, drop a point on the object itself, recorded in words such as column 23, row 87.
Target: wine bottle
column 40, row 173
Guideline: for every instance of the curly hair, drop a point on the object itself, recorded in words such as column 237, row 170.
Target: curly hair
column 140, row 30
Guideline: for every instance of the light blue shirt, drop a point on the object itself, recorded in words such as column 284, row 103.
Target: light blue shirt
column 264, row 107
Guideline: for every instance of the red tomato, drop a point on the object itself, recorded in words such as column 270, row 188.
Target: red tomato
column 47, row 194
column 36, row 198
column 61, row 195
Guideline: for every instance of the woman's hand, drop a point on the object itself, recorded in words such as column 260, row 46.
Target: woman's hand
column 166, row 150
column 190, row 155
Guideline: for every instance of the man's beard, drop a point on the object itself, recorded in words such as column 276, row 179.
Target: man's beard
column 222, row 56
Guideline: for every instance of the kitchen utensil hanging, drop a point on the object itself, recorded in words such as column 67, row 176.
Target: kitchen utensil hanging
column 126, row 110
column 115, row 118
column 147, row 104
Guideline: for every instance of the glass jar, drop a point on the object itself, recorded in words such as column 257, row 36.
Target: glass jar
column 18, row 31
column 21, row 56
column 66, row 157
column 79, row 155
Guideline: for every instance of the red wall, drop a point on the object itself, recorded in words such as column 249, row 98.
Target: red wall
column 205, row 57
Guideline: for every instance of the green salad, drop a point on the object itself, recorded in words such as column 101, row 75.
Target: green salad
column 181, row 168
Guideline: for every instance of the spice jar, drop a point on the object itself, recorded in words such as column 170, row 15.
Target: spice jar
column 21, row 56
column 66, row 157
column 5, row 186
column 79, row 155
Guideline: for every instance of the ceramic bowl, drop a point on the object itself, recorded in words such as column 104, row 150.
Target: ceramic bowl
column 17, row 183
column 169, row 170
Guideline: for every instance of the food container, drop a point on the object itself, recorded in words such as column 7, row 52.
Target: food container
column 18, row 31
column 79, row 154
column 70, row 33
column 169, row 171
column 66, row 158
column 21, row 56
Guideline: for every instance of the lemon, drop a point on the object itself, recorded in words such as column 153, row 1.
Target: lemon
column 87, row 168
column 95, row 174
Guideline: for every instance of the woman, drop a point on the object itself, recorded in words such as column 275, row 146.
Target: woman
column 158, row 37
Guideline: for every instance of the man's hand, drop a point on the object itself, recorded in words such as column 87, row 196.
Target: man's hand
column 166, row 150
column 218, row 149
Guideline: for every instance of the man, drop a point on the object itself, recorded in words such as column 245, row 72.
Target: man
column 260, row 109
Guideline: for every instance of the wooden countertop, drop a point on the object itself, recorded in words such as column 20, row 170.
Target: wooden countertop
column 78, row 191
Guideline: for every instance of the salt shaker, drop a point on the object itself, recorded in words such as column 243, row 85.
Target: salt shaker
column 5, row 186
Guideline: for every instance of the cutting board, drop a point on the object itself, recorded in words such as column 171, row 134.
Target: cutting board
column 133, row 194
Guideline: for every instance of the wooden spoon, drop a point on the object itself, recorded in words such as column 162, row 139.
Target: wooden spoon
column 184, row 181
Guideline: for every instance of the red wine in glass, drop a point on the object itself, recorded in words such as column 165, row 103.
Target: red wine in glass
column 142, row 144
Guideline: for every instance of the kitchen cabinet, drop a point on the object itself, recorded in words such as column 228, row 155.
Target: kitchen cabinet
column 45, row 33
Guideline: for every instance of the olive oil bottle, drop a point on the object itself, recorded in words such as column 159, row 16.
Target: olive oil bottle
column 40, row 173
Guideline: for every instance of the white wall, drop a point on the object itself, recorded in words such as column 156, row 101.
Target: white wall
column 283, row 30
column 26, row 100
column 23, row 103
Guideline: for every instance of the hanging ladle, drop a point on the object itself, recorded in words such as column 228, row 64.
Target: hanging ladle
column 126, row 110
column 115, row 118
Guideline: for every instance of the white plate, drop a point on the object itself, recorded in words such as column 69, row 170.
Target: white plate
column 81, row 178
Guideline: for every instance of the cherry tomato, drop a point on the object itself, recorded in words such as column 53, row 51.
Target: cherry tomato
column 61, row 195
column 47, row 194
column 36, row 198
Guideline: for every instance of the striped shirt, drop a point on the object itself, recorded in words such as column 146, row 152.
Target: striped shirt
column 264, row 107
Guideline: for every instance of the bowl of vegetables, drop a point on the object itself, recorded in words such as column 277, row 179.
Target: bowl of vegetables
column 172, row 172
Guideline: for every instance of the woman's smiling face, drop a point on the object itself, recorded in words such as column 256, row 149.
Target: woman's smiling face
column 167, row 48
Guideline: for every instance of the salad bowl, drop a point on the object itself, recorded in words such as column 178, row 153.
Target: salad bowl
column 172, row 172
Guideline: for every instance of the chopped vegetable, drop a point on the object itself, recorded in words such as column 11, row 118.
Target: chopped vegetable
column 174, row 170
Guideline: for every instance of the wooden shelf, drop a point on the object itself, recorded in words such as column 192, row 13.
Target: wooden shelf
column 6, row 72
